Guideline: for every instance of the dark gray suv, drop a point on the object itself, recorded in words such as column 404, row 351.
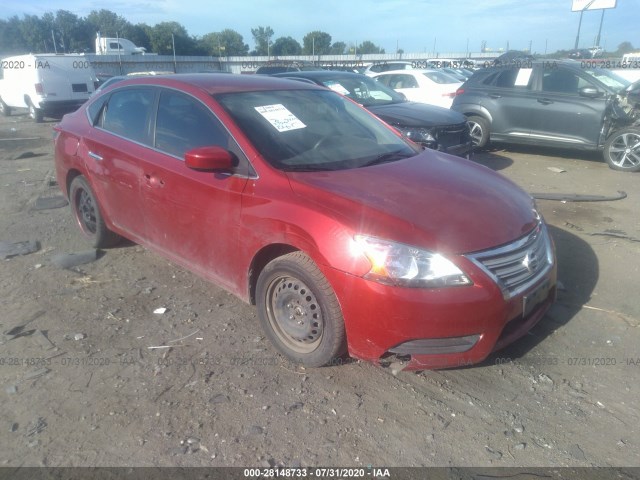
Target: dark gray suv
column 553, row 103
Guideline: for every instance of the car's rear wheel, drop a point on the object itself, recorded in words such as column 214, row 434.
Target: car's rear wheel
column 5, row 110
column 88, row 215
column 479, row 131
column 622, row 150
column 35, row 113
column 299, row 311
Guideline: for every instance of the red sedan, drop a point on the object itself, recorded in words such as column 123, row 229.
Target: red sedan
column 346, row 236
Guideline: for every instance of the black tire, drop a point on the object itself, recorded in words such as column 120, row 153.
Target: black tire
column 299, row 311
column 35, row 113
column 5, row 110
column 622, row 150
column 479, row 129
column 87, row 213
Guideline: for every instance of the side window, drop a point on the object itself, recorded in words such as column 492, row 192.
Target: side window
column 507, row 78
column 128, row 112
column 403, row 81
column 384, row 79
column 95, row 109
column 562, row 81
column 184, row 123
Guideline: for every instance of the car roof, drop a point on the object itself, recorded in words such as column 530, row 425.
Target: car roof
column 409, row 71
column 569, row 63
column 214, row 83
column 322, row 74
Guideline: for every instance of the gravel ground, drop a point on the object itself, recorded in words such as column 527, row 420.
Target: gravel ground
column 80, row 385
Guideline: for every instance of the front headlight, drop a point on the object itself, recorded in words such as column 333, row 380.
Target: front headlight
column 417, row 134
column 398, row 264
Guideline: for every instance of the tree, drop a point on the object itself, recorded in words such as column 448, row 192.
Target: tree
column 316, row 42
column 11, row 41
column 261, row 37
column 338, row 48
column 71, row 32
column 108, row 23
column 225, row 43
column 624, row 47
column 369, row 47
column 286, row 46
column 160, row 38
column 36, row 37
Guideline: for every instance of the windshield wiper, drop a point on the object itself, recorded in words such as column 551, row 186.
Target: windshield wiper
column 387, row 157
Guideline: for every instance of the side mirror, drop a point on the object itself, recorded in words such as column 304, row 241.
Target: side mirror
column 590, row 92
column 209, row 159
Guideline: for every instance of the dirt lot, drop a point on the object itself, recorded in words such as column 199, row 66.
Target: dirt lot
column 81, row 387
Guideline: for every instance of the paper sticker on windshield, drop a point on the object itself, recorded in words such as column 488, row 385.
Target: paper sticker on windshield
column 281, row 118
column 524, row 74
column 336, row 87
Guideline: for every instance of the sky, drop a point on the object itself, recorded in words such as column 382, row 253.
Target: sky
column 411, row 25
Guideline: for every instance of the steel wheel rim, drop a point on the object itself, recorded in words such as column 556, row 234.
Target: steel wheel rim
column 475, row 132
column 294, row 314
column 86, row 211
column 625, row 148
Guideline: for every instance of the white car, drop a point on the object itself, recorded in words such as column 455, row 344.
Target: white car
column 434, row 87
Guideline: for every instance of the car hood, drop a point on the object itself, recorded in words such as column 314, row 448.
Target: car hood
column 432, row 200
column 414, row 114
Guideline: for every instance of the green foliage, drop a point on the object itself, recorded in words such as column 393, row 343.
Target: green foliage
column 624, row 47
column 338, row 48
column 316, row 42
column 261, row 37
column 77, row 34
column 225, row 43
column 286, row 46
column 369, row 47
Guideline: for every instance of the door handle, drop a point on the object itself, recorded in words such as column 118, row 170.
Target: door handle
column 545, row 101
column 95, row 156
column 494, row 95
column 153, row 181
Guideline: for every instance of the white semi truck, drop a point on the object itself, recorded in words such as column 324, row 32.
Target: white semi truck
column 117, row 46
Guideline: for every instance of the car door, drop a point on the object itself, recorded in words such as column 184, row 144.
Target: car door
column 507, row 95
column 192, row 216
column 113, row 153
column 561, row 114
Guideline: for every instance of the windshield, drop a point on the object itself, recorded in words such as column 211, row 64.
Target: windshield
column 310, row 130
column 609, row 78
column 364, row 90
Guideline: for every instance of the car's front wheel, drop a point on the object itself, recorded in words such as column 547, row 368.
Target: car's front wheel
column 479, row 131
column 622, row 150
column 88, row 215
column 299, row 311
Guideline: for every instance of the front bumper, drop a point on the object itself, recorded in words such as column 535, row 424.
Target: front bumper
column 438, row 328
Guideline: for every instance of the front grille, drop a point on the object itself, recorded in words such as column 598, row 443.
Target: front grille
column 79, row 87
column 518, row 265
column 452, row 135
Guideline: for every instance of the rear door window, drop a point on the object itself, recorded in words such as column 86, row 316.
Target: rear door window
column 128, row 114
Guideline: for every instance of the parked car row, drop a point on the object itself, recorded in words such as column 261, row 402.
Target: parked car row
column 347, row 236
column 431, row 126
